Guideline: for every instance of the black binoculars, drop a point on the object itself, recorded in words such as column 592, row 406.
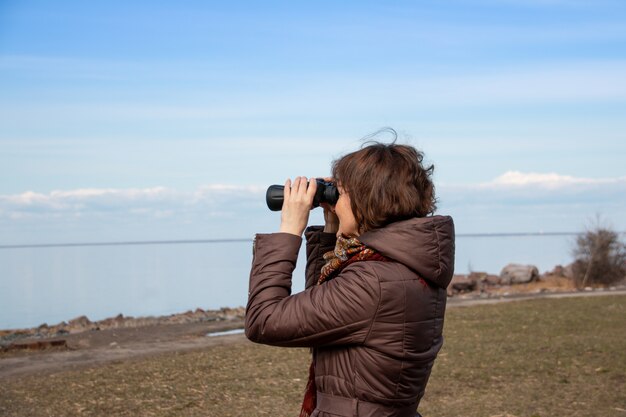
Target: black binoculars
column 326, row 193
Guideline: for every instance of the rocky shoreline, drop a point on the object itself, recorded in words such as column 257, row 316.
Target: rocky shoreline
column 513, row 280
column 83, row 324
column 513, row 277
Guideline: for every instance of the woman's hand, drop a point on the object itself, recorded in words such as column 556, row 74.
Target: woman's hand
column 331, row 221
column 298, row 201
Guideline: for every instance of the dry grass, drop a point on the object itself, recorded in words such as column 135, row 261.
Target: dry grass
column 548, row 283
column 232, row 380
column 537, row 358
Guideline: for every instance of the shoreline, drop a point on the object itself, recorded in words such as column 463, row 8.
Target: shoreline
column 82, row 324
column 515, row 280
column 474, row 288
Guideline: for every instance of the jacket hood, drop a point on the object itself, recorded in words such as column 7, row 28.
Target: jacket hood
column 424, row 244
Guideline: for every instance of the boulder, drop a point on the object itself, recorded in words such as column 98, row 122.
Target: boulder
column 518, row 274
column 484, row 278
column 462, row 283
column 60, row 328
column 80, row 324
column 43, row 329
column 491, row 280
column 477, row 276
column 80, row 321
column 227, row 313
column 558, row 271
column 113, row 322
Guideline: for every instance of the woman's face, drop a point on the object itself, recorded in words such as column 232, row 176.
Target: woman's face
column 347, row 222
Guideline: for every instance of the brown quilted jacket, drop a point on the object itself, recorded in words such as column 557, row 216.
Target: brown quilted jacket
column 376, row 328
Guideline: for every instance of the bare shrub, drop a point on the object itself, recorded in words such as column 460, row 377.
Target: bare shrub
column 600, row 257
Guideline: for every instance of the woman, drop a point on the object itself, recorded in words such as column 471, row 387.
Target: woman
column 376, row 278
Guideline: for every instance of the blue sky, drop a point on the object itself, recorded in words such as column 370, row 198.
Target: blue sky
column 158, row 120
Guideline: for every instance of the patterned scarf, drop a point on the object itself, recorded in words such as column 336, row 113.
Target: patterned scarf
column 346, row 252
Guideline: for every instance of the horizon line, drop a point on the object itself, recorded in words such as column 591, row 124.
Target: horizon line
column 241, row 240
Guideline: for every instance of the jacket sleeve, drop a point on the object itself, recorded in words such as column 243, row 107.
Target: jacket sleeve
column 317, row 244
column 339, row 311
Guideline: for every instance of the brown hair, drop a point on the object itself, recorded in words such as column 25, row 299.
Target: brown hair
column 386, row 183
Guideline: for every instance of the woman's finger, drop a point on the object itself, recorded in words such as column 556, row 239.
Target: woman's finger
column 302, row 187
column 311, row 189
column 296, row 186
column 287, row 191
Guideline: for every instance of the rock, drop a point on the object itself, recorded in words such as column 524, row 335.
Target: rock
column 227, row 313
column 82, row 323
column 79, row 324
column 477, row 276
column 462, row 283
column 558, row 271
column 43, row 329
column 60, row 328
column 491, row 280
column 113, row 322
column 484, row 278
column 518, row 274
column 561, row 271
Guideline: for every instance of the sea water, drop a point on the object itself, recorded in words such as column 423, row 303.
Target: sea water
column 54, row 284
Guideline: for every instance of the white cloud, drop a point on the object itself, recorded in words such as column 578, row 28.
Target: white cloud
column 552, row 191
column 513, row 201
column 552, row 181
column 82, row 198
column 226, row 200
column 229, row 188
column 533, row 201
column 159, row 202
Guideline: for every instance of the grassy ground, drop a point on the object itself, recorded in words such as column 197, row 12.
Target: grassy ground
column 539, row 358
column 534, row 358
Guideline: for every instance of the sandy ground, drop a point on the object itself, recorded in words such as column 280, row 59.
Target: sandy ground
column 97, row 347
column 93, row 348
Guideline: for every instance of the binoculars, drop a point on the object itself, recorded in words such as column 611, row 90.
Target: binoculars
column 326, row 193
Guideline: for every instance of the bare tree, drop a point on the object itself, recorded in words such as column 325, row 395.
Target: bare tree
column 600, row 257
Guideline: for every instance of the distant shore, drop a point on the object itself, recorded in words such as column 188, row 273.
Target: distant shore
column 473, row 286
column 82, row 324
column 463, row 288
